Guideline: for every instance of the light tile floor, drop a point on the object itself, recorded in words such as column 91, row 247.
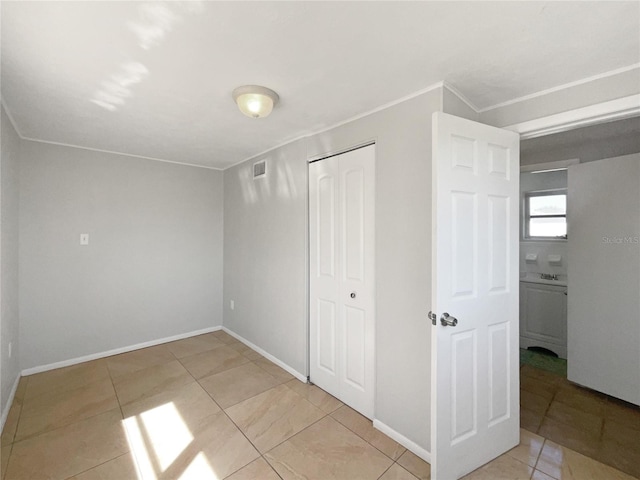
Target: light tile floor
column 588, row 422
column 208, row 407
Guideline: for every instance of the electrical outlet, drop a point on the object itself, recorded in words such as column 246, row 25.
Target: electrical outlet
column 232, row 304
column 84, row 239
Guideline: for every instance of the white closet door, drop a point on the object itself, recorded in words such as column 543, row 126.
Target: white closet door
column 341, row 237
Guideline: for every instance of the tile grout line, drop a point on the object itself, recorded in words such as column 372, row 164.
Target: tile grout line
column 43, row 432
column 230, row 419
column 133, row 454
column 362, row 438
column 4, row 473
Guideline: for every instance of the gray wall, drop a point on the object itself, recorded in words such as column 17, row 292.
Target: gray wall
column 9, row 206
column 453, row 104
column 596, row 142
column 604, row 276
column 266, row 254
column 153, row 266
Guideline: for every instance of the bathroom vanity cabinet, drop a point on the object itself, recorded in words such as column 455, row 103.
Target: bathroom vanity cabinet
column 543, row 317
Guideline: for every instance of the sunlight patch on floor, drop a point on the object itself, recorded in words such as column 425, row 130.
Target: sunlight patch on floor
column 158, row 438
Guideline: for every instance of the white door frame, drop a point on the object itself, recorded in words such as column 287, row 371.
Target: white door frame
column 619, row 109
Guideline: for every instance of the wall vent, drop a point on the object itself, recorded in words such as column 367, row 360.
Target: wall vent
column 260, row 169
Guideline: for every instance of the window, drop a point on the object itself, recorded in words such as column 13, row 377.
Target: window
column 545, row 214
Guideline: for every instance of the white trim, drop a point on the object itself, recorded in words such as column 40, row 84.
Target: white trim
column 464, row 99
column 547, row 166
column 112, row 152
column 268, row 356
column 116, row 351
column 7, row 407
column 576, row 83
column 625, row 107
column 402, row 440
column 343, row 122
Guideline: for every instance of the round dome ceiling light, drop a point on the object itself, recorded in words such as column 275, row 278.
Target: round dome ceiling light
column 255, row 101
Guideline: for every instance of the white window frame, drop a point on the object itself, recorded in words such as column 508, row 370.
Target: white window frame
column 527, row 216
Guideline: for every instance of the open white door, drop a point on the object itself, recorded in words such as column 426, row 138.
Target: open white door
column 475, row 383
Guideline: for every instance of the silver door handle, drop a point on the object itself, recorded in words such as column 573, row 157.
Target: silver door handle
column 448, row 321
column 353, row 295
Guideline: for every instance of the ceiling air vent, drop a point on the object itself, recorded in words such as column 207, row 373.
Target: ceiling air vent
column 259, row 169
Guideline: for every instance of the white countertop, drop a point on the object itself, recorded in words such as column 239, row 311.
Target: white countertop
column 535, row 278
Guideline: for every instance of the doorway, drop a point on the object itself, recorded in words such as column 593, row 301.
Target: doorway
column 555, row 405
column 342, row 277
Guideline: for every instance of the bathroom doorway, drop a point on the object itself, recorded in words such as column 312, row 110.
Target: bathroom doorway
column 555, row 405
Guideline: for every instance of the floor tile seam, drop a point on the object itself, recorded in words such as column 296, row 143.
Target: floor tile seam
column 577, row 425
column 367, row 441
column 211, row 375
column 197, row 353
column 533, row 377
column 294, row 435
column 100, row 464
column 119, row 378
column 579, row 409
column 518, row 460
column 535, row 464
column 31, row 437
column 265, row 370
column 244, row 399
column 598, row 438
column 260, row 454
column 133, row 454
column 4, row 473
column 270, row 466
column 15, row 430
column 25, row 400
column 386, row 470
column 46, row 406
column 407, row 470
column 305, row 398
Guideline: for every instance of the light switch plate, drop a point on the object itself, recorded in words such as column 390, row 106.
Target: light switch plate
column 84, row 239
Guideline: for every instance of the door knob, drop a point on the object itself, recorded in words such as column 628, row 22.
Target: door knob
column 353, row 295
column 448, row 321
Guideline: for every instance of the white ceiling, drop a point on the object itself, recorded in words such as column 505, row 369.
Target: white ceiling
column 155, row 79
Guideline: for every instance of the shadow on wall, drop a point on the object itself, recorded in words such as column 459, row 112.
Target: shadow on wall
column 255, row 189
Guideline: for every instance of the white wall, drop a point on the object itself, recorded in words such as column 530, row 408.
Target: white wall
column 152, row 269
column 266, row 254
column 604, row 276
column 9, row 206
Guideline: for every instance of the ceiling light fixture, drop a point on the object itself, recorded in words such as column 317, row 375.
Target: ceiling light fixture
column 255, row 101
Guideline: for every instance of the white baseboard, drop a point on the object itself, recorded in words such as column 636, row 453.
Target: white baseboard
column 116, row 351
column 7, row 407
column 402, row 440
column 280, row 363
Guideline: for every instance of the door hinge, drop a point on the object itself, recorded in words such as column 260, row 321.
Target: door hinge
column 432, row 317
